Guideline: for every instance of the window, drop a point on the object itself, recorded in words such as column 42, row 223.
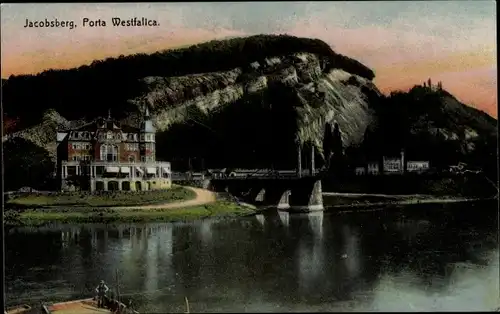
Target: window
column 109, row 135
column 78, row 146
column 152, row 137
column 87, row 146
column 148, row 137
column 109, row 152
column 71, row 170
column 143, row 158
column 132, row 147
column 142, row 137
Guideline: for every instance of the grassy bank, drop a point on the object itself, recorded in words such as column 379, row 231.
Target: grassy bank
column 108, row 215
column 360, row 200
column 342, row 200
column 103, row 199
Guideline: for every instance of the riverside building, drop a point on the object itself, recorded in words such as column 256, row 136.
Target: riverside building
column 105, row 155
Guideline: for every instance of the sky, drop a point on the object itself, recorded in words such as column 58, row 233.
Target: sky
column 404, row 42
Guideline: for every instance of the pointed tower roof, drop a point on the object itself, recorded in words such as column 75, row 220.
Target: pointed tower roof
column 147, row 123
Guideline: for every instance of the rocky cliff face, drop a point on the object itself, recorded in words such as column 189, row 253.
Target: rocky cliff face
column 44, row 134
column 311, row 97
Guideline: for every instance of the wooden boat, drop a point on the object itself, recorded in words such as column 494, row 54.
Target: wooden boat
column 18, row 309
column 84, row 306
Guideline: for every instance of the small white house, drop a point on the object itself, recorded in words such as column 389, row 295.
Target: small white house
column 359, row 171
column 393, row 165
column 372, row 168
column 417, row 166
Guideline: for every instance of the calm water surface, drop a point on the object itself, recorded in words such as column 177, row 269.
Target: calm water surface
column 378, row 261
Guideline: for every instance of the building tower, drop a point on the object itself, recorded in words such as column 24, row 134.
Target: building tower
column 147, row 138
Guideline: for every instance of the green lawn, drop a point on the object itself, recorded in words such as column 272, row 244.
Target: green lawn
column 176, row 193
column 108, row 215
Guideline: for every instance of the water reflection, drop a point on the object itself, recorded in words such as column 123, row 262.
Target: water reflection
column 284, row 218
column 316, row 222
column 351, row 251
column 310, row 263
column 206, row 231
column 260, row 218
column 272, row 262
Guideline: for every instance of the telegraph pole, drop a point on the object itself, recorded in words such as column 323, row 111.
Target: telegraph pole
column 312, row 160
column 299, row 160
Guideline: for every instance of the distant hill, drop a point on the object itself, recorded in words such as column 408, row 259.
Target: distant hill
column 431, row 124
column 246, row 102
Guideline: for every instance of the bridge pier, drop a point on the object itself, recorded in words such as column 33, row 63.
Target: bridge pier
column 284, row 202
column 257, row 194
column 306, row 196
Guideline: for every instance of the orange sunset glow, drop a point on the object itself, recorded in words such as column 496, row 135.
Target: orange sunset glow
column 405, row 43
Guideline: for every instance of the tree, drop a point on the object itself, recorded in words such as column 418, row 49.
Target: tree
column 338, row 146
column 327, row 144
column 429, row 82
column 26, row 164
column 9, row 125
column 337, row 160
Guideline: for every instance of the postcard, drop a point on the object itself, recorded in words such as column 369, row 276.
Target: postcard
column 250, row 156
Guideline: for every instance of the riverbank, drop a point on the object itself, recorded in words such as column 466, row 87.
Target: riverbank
column 331, row 199
column 360, row 206
column 103, row 199
column 38, row 217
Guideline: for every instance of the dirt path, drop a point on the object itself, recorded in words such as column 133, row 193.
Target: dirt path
column 202, row 197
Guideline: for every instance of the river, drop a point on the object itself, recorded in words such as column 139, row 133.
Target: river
column 390, row 260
